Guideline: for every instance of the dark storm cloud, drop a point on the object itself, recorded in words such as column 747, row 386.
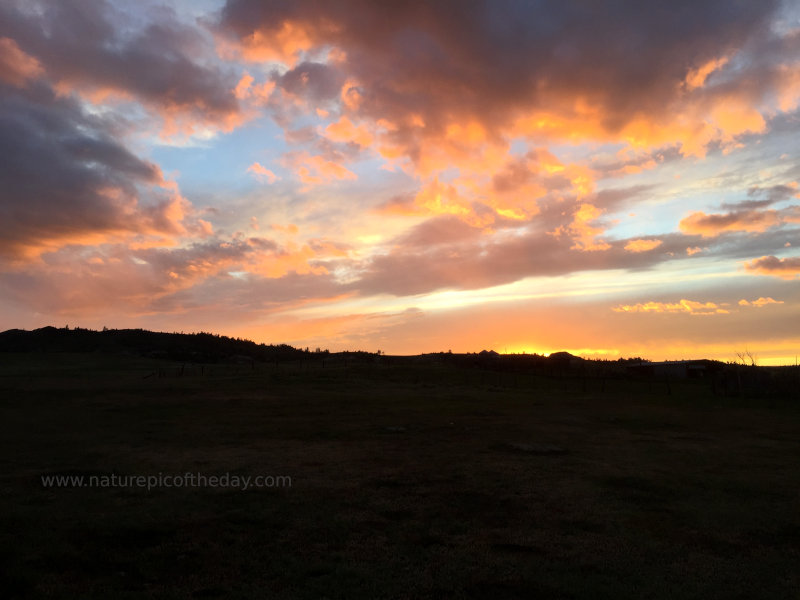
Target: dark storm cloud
column 88, row 45
column 490, row 58
column 67, row 175
column 64, row 175
column 315, row 81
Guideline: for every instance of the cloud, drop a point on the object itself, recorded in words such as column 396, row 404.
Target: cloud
column 696, row 78
column 642, row 245
column 785, row 268
column 442, row 94
column 345, row 130
column 470, row 258
column 748, row 215
column 691, row 307
column 17, row 67
column 261, row 173
column 506, row 190
column 439, row 198
column 314, row 82
column 710, row 225
column 100, row 52
column 284, row 43
column 584, row 231
column 437, row 231
column 682, row 77
column 503, row 129
column 399, row 205
column 760, row 302
column 761, row 197
column 314, row 170
column 245, row 89
column 127, row 280
column 67, row 178
column 252, row 255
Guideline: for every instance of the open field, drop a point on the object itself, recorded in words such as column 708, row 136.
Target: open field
column 406, row 482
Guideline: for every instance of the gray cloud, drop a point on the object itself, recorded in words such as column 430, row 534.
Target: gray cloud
column 489, row 59
column 316, row 81
column 88, row 44
column 63, row 173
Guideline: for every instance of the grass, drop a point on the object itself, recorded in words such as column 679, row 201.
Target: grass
column 407, row 482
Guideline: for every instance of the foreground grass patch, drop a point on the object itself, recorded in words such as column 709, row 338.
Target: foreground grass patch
column 406, row 482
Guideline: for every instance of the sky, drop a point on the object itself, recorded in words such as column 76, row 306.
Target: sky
column 613, row 179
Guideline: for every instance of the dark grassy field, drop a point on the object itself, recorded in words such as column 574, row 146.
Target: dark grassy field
column 406, row 482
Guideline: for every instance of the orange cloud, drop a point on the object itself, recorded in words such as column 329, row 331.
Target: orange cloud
column 438, row 106
column 642, row 245
column 517, row 187
column 785, row 268
column 185, row 266
column 471, row 133
column 291, row 259
column 17, row 67
column 327, row 248
column 710, row 225
column 351, row 95
column 423, row 151
column 582, row 230
column 788, row 87
column 313, row 170
column 402, row 206
column 684, row 306
column 345, row 131
column 697, row 77
column 243, row 87
column 491, row 186
column 441, row 199
column 633, row 169
column 291, row 228
column 246, row 90
column 261, row 173
column 791, row 214
column 759, row 302
column 692, row 123
column 182, row 122
column 284, row 44
column 734, row 116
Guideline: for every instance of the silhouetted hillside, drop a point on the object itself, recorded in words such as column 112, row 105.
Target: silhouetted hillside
column 194, row 347
column 199, row 348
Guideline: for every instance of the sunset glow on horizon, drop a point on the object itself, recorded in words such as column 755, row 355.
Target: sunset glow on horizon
column 613, row 180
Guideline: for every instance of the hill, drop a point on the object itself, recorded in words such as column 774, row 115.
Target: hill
column 207, row 348
column 190, row 347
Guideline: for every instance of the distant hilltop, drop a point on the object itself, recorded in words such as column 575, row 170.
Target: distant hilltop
column 190, row 347
column 200, row 349
column 208, row 347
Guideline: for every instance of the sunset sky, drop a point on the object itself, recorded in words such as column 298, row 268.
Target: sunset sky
column 613, row 179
